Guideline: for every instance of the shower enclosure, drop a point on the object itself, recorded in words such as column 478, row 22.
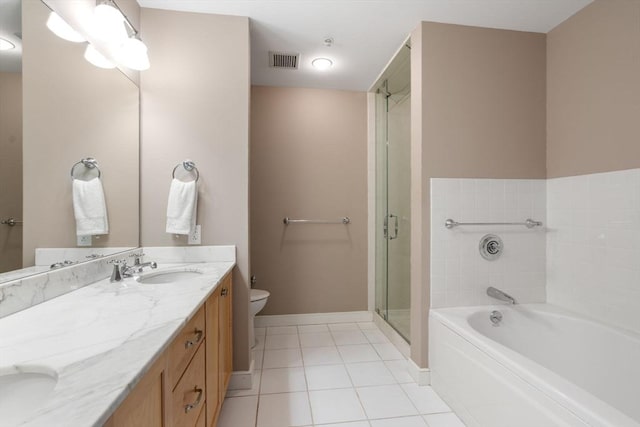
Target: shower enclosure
column 393, row 193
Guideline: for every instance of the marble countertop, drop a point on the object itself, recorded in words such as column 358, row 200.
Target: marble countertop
column 100, row 340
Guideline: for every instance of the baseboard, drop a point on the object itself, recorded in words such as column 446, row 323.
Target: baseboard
column 422, row 376
column 401, row 344
column 312, row 318
column 242, row 380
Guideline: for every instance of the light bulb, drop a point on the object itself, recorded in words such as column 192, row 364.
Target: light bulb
column 96, row 58
column 63, row 30
column 6, row 44
column 109, row 23
column 322, row 64
column 133, row 54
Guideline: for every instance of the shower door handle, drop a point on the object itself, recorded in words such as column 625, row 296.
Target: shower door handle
column 385, row 227
column 395, row 229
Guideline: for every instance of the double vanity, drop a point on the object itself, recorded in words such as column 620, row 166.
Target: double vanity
column 153, row 349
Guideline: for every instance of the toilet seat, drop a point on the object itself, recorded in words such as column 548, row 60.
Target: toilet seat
column 259, row 294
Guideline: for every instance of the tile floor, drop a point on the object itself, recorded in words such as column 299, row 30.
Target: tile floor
column 341, row 375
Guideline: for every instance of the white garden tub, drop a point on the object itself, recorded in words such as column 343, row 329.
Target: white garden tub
column 541, row 367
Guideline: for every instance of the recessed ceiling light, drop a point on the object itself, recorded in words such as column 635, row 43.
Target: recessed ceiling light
column 322, row 63
column 6, row 44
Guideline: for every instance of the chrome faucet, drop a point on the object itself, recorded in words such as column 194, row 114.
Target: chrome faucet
column 498, row 294
column 138, row 265
column 121, row 270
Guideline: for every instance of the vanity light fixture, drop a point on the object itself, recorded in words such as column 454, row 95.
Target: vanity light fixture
column 6, row 44
column 133, row 54
column 116, row 35
column 322, row 64
column 109, row 22
column 116, row 28
column 60, row 28
column 96, row 58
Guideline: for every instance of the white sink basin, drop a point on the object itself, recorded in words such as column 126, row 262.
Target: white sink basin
column 160, row 277
column 21, row 394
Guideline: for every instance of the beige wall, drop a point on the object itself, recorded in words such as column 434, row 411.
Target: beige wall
column 593, row 73
column 195, row 104
column 74, row 110
column 478, row 100
column 10, row 169
column 309, row 160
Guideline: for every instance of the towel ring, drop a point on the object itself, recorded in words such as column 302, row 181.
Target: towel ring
column 89, row 163
column 189, row 166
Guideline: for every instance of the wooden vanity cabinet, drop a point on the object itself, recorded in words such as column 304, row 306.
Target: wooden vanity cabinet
column 219, row 350
column 145, row 405
column 189, row 396
column 184, row 347
column 186, row 385
column 226, row 336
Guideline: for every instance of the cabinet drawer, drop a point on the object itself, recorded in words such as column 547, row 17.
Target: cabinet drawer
column 188, row 398
column 184, row 347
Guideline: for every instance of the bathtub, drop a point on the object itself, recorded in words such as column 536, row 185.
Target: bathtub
column 541, row 367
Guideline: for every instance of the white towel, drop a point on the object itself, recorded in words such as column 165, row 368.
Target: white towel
column 89, row 207
column 182, row 206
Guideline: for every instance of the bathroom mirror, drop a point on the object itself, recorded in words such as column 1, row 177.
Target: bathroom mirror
column 56, row 109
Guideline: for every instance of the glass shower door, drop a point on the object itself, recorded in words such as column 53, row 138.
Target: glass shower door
column 393, row 184
column 399, row 211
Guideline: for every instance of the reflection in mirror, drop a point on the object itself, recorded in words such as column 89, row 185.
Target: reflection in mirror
column 71, row 110
column 10, row 136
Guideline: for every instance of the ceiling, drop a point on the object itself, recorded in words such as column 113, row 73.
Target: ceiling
column 366, row 33
column 10, row 24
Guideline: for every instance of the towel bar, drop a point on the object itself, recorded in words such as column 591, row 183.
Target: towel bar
column 529, row 223
column 11, row 222
column 344, row 220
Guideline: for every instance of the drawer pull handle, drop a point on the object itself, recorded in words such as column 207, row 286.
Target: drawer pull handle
column 190, row 406
column 190, row 343
column 224, row 292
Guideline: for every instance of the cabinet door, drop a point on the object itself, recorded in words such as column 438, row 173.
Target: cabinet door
column 145, row 405
column 212, row 347
column 226, row 337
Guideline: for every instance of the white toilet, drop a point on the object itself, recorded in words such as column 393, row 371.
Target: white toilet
column 258, row 301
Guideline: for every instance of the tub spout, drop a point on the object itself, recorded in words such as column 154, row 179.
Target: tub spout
column 498, row 294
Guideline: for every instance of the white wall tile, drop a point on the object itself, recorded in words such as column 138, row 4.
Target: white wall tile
column 593, row 246
column 459, row 276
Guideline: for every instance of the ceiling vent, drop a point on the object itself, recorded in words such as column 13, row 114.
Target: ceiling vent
column 286, row 61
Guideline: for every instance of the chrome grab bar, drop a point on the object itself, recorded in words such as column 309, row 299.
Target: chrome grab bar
column 11, row 222
column 344, row 220
column 529, row 223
